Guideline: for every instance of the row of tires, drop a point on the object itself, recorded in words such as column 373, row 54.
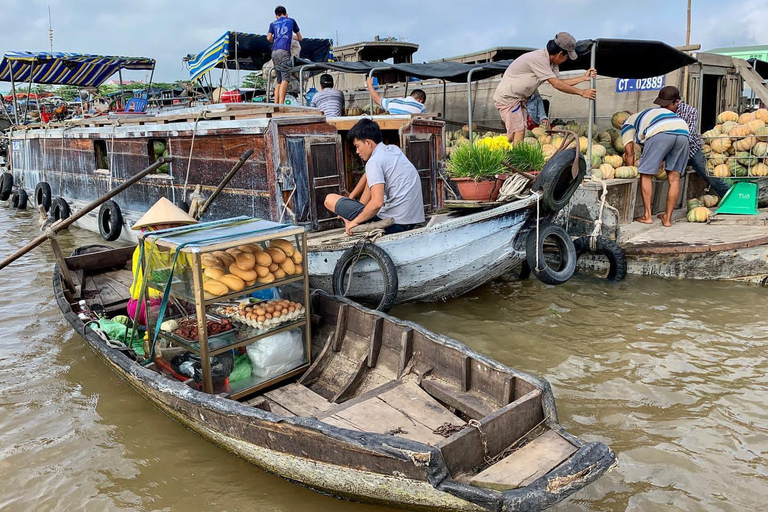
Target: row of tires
column 110, row 215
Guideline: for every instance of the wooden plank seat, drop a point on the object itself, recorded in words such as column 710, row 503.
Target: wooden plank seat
column 298, row 400
column 404, row 410
column 471, row 404
column 525, row 465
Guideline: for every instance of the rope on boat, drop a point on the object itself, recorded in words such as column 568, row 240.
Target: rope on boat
column 286, row 208
column 598, row 229
column 513, row 188
column 115, row 124
column 200, row 114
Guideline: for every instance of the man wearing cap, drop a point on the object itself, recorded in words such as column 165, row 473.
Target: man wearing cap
column 664, row 137
column 696, row 158
column 524, row 76
column 163, row 215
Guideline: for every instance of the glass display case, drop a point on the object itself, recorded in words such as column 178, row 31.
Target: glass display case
column 232, row 285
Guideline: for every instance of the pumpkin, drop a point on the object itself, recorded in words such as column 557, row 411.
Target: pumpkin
column 726, row 127
column 596, row 161
column 710, row 135
column 761, row 114
column 598, row 150
column 721, row 144
column 625, row 172
column 759, row 170
column 717, row 158
column 727, row 115
column 739, row 131
column 760, row 150
column 699, row 214
column 583, row 145
column 746, row 117
column 706, row 149
column 557, row 141
column 538, row 132
column 617, row 119
column 755, row 125
column 545, row 139
column 597, row 175
column 618, row 145
column 722, row 171
column 746, row 159
column 694, row 203
column 613, row 160
column 607, row 171
column 548, row 150
column 737, row 170
column 709, row 200
column 762, row 133
column 662, row 174
column 604, row 138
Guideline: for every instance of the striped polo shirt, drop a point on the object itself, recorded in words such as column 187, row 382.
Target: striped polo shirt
column 407, row 105
column 330, row 101
column 642, row 126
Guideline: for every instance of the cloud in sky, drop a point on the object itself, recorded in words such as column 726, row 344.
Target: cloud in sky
column 168, row 30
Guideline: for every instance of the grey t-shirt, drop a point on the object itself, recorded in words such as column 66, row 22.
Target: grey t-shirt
column 330, row 101
column 403, row 202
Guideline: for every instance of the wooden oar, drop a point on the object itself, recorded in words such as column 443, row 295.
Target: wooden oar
column 199, row 213
column 62, row 224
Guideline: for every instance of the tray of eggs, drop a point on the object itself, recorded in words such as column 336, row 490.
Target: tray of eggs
column 264, row 316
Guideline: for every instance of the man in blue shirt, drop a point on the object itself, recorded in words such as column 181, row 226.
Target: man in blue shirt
column 280, row 35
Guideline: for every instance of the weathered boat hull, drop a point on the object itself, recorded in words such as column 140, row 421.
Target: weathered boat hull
column 359, row 465
column 437, row 262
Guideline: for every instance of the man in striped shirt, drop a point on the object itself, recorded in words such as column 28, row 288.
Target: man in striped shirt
column 664, row 137
column 413, row 104
column 329, row 100
column 696, row 158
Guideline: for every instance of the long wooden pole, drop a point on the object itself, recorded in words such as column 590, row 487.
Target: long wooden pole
column 687, row 43
column 58, row 226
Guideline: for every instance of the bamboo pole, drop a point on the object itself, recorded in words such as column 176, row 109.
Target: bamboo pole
column 62, row 224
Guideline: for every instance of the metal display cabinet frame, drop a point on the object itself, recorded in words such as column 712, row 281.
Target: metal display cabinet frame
column 196, row 295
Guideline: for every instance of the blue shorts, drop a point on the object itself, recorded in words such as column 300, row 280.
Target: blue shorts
column 350, row 209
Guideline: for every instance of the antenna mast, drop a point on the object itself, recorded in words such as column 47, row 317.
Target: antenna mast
column 50, row 28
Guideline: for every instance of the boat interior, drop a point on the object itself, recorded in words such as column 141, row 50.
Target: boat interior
column 373, row 373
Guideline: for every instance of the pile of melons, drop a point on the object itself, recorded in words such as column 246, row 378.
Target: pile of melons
column 238, row 268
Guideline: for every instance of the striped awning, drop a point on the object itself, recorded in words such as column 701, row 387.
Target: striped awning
column 59, row 68
column 208, row 59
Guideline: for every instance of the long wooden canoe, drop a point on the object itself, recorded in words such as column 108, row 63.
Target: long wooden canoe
column 387, row 413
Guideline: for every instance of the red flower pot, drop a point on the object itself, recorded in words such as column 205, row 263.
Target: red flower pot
column 484, row 190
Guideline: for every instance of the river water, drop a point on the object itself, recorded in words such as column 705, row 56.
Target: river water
column 671, row 374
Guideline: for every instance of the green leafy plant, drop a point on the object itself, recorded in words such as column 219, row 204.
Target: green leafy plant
column 476, row 161
column 525, row 157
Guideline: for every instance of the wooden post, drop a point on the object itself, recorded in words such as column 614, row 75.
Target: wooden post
column 63, row 268
column 687, row 43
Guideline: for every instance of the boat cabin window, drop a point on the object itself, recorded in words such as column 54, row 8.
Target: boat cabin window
column 100, row 152
column 157, row 148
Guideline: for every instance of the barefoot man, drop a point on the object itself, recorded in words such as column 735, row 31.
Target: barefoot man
column 664, row 137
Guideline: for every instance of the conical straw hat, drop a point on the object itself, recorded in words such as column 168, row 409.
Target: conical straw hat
column 164, row 212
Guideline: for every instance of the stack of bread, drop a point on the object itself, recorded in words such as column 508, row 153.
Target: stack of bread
column 247, row 265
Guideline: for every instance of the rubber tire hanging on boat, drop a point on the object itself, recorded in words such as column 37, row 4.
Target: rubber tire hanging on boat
column 382, row 259
column 19, row 199
column 545, row 273
column 43, row 195
column 6, row 186
column 59, row 209
column 617, row 261
column 110, row 221
column 556, row 182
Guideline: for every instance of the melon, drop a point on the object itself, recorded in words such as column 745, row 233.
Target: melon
column 699, row 214
column 617, row 119
column 722, row 171
column 747, row 117
column 694, row 203
column 760, row 149
column 759, row 170
column 727, row 115
column 613, row 160
column 607, row 171
column 626, row 171
column 721, row 144
column 709, row 200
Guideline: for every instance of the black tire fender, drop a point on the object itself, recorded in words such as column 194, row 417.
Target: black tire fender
column 617, row 260
column 556, row 182
column 19, row 199
column 110, row 221
column 384, row 262
column 43, row 195
column 545, row 273
column 6, row 186
column 59, row 209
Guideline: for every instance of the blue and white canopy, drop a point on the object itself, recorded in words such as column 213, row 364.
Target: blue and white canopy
column 59, row 68
column 209, row 58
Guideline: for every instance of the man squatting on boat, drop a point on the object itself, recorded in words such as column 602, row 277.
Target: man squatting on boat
column 389, row 189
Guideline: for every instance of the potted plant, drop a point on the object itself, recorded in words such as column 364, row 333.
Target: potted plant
column 473, row 168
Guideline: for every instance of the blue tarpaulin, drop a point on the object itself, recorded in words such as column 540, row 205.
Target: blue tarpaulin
column 59, row 68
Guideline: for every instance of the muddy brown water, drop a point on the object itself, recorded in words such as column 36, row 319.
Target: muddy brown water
column 671, row 374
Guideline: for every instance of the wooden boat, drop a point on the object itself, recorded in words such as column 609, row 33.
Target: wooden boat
column 388, row 412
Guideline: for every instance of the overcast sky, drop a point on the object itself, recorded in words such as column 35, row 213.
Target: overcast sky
column 168, row 30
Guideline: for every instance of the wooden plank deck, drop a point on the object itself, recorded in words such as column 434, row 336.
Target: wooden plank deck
column 299, row 400
column 113, row 288
column 527, row 464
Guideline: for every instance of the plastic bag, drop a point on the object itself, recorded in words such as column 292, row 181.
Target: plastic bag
column 190, row 364
column 276, row 355
column 242, row 368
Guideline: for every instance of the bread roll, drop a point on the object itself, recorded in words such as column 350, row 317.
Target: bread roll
column 209, row 260
column 256, row 248
column 297, row 257
column 283, row 245
column 233, row 282
column 261, row 271
column 269, row 278
column 263, row 259
column 214, row 272
column 245, row 260
column 226, row 258
column 277, row 255
column 215, row 287
column 248, row 284
column 288, row 266
column 233, row 251
column 246, row 248
column 245, row 275
column 279, row 273
column 299, row 269
column 273, row 267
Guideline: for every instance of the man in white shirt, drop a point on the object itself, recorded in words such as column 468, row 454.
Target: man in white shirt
column 389, row 189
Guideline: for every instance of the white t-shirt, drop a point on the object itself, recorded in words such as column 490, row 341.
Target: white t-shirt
column 403, row 201
column 524, row 76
